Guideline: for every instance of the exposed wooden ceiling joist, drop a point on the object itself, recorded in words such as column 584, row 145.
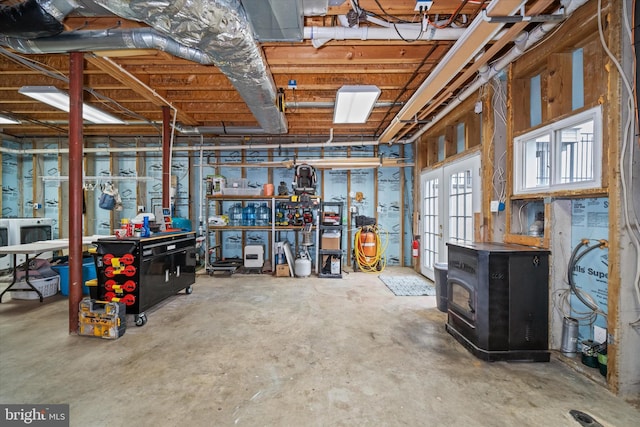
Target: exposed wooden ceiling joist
column 142, row 80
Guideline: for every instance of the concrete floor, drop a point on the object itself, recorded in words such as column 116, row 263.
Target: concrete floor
column 253, row 350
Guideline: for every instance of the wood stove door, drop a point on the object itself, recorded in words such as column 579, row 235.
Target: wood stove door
column 462, row 300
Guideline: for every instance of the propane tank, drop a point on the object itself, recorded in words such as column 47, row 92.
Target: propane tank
column 302, row 266
column 415, row 246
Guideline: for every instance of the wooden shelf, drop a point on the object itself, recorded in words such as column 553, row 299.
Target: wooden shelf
column 257, row 227
column 223, row 197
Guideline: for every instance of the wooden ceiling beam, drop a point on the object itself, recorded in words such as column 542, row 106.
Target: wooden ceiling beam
column 397, row 68
column 284, row 55
column 403, row 7
column 118, row 73
column 539, row 7
column 328, row 81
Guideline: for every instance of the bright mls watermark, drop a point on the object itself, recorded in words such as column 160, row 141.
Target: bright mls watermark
column 34, row 415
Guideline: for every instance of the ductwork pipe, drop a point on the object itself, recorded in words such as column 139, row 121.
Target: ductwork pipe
column 99, row 40
column 222, row 30
column 523, row 43
column 35, row 18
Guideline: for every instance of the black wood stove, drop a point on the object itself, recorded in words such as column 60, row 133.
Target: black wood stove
column 498, row 300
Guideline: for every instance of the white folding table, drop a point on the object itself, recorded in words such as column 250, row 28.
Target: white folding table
column 34, row 249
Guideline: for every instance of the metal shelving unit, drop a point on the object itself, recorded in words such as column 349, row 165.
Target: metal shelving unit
column 331, row 253
column 214, row 206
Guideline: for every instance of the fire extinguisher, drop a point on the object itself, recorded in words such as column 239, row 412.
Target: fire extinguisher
column 415, row 246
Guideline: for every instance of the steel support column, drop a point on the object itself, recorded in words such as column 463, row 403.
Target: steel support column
column 166, row 157
column 76, row 67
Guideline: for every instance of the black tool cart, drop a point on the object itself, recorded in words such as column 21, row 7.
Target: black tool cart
column 141, row 272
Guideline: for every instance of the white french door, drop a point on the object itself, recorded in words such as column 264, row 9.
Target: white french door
column 449, row 196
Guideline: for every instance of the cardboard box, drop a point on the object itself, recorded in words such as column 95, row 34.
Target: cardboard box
column 282, row 270
column 330, row 240
column 331, row 264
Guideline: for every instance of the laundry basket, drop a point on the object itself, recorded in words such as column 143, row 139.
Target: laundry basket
column 48, row 286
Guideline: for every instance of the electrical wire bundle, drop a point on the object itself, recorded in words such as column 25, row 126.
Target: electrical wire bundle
column 576, row 256
column 369, row 249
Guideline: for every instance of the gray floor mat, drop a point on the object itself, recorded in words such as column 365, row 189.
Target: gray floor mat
column 408, row 285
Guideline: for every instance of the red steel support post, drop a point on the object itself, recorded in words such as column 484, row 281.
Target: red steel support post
column 76, row 66
column 166, row 157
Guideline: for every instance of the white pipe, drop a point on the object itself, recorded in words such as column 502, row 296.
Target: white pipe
column 328, row 143
column 497, row 66
column 404, row 31
column 201, row 216
column 330, row 136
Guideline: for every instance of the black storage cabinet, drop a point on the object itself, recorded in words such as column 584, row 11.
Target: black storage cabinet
column 146, row 270
column 498, row 300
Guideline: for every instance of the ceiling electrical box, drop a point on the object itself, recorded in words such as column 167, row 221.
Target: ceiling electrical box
column 423, row 6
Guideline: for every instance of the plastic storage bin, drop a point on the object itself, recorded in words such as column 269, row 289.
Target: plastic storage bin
column 442, row 298
column 88, row 273
column 102, row 319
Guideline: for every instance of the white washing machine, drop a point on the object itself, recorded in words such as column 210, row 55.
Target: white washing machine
column 28, row 230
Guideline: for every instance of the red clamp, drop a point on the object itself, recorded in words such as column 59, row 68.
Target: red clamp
column 106, row 259
column 108, row 285
column 129, row 271
column 129, row 286
column 127, row 259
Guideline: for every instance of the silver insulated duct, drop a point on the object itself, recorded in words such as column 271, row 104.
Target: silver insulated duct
column 220, row 29
column 35, row 18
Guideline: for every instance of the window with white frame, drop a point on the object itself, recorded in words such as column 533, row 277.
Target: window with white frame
column 563, row 155
column 460, row 207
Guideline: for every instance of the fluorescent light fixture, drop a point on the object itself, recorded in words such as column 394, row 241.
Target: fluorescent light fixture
column 5, row 120
column 57, row 98
column 354, row 103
